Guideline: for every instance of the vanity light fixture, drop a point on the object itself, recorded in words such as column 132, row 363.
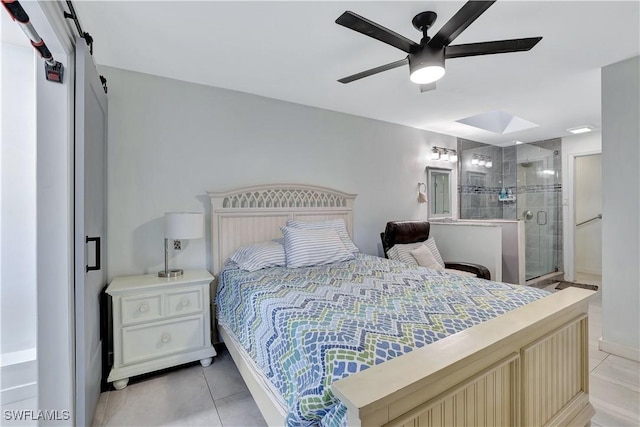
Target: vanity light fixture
column 444, row 154
column 580, row 129
column 479, row 160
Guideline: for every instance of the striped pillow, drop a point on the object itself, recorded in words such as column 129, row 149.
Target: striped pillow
column 336, row 224
column 306, row 248
column 430, row 243
column 260, row 255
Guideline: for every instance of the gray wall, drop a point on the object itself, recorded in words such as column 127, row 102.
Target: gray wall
column 171, row 141
column 621, row 207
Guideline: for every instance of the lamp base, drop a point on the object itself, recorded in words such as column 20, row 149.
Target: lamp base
column 171, row 273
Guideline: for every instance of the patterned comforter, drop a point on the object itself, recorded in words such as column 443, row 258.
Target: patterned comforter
column 306, row 328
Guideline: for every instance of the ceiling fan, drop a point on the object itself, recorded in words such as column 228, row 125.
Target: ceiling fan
column 426, row 59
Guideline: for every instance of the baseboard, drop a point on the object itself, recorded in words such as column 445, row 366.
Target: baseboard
column 594, row 271
column 18, row 371
column 619, row 350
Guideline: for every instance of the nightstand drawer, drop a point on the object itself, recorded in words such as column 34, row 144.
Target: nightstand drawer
column 187, row 301
column 140, row 343
column 141, row 308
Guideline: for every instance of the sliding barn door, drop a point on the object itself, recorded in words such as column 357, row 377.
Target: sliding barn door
column 90, row 230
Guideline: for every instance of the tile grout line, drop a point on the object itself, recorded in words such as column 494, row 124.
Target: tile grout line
column 600, row 362
column 211, row 392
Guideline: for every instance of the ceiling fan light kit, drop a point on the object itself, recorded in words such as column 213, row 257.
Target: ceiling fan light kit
column 426, row 66
column 427, row 59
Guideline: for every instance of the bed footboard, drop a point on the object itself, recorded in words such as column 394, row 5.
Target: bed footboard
column 527, row 367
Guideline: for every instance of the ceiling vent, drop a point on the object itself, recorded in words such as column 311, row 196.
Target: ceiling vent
column 498, row 122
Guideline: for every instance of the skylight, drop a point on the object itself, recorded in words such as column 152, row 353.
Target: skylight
column 498, row 122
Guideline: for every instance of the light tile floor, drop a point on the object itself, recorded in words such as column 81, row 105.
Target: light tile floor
column 614, row 382
column 217, row 396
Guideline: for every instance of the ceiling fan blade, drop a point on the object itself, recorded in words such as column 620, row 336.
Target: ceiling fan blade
column 489, row 48
column 373, row 71
column 460, row 21
column 428, row 87
column 377, row 31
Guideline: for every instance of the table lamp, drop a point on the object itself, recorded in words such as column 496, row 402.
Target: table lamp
column 180, row 225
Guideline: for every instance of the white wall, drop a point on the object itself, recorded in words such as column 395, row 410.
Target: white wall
column 18, row 298
column 171, row 141
column 621, row 208
column 588, row 204
column 474, row 242
column 573, row 146
column 18, row 200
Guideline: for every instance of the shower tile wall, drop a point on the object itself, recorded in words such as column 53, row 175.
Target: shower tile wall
column 509, row 177
column 479, row 186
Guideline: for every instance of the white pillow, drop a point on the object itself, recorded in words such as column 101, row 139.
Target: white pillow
column 305, row 248
column 260, row 255
column 425, row 258
column 400, row 252
column 336, row 224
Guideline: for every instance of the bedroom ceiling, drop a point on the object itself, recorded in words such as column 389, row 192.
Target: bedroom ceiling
column 293, row 51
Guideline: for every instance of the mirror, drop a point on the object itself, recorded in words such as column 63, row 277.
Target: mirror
column 440, row 194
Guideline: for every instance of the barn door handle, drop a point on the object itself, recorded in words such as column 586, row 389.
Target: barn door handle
column 97, row 243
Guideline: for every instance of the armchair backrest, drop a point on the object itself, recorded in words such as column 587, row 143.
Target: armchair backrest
column 401, row 232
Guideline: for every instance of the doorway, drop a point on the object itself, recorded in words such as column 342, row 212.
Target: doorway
column 588, row 218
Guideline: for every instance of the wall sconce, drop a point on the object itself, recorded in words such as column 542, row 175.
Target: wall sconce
column 422, row 192
column 485, row 161
column 180, row 225
column 444, row 154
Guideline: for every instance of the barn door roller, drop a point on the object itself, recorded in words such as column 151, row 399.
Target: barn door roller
column 53, row 69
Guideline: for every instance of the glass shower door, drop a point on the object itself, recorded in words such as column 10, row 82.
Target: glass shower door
column 538, row 204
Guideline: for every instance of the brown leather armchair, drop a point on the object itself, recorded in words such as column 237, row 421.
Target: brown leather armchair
column 402, row 232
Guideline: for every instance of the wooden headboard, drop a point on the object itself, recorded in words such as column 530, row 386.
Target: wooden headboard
column 255, row 214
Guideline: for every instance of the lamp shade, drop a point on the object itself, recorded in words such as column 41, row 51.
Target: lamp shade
column 183, row 225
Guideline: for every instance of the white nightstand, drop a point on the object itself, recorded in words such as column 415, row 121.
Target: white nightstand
column 159, row 322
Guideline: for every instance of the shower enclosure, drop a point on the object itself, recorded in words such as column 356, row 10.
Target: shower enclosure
column 521, row 182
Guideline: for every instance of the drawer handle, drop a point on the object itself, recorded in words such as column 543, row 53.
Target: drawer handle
column 184, row 302
column 143, row 308
column 165, row 338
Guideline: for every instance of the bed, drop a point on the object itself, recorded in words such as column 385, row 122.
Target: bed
column 528, row 366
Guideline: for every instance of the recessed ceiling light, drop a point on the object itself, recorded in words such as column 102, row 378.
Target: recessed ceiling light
column 518, row 142
column 580, row 129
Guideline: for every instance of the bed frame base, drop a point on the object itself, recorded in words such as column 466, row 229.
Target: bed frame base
column 527, row 367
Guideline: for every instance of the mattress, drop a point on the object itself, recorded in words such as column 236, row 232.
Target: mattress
column 306, row 328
